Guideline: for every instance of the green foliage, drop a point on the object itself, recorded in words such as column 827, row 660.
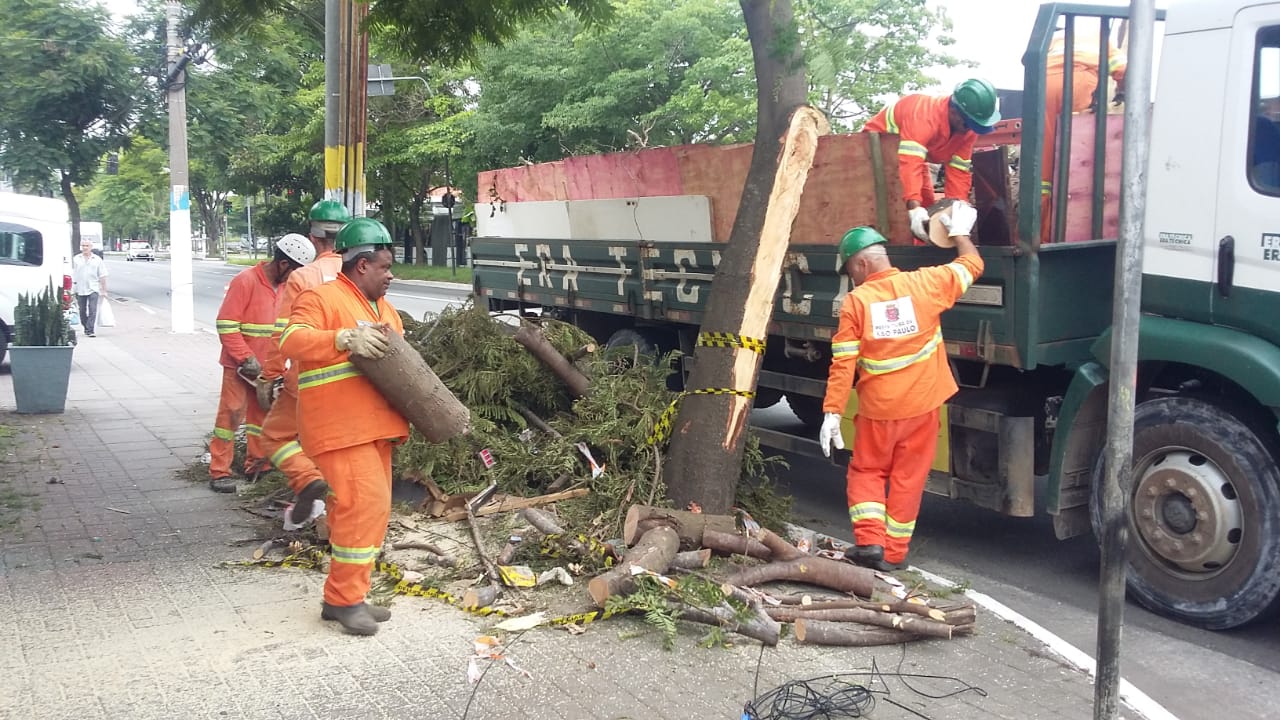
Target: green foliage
column 133, row 203
column 67, row 97
column 660, row 604
column 39, row 320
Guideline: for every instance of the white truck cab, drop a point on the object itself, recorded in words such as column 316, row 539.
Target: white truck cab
column 35, row 249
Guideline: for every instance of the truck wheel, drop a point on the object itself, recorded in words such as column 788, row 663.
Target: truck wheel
column 807, row 409
column 1204, row 521
column 629, row 347
column 766, row 397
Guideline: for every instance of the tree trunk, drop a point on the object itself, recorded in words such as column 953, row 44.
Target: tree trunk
column 415, row 228
column 710, row 431
column 689, row 526
column 73, row 212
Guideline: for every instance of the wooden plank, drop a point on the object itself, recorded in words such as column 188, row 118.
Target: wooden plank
column 1080, row 187
column 840, row 192
column 647, row 173
column 718, row 172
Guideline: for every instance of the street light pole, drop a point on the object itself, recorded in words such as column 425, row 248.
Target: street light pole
column 182, row 307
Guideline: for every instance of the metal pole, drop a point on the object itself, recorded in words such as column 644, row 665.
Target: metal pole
column 333, row 170
column 182, row 303
column 1124, row 359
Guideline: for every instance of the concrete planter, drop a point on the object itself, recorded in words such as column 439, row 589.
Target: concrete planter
column 40, row 377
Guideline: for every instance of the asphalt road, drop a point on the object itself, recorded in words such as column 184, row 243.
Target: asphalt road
column 147, row 283
column 1195, row 674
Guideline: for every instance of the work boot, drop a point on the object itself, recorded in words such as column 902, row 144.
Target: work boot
column 869, row 556
column 379, row 613
column 225, row 484
column 355, row 619
column 301, row 512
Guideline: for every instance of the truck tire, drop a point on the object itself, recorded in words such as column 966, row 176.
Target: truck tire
column 1204, row 520
column 807, row 410
column 629, row 347
column 766, row 397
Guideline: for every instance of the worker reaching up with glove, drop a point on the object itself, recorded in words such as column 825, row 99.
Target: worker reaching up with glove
column 890, row 336
column 344, row 423
column 245, row 321
column 938, row 130
column 277, row 386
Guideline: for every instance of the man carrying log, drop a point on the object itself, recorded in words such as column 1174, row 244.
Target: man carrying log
column 277, row 386
column 890, row 335
column 346, row 426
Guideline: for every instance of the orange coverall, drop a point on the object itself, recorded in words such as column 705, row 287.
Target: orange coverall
column 244, row 324
column 346, row 427
column 890, row 335
column 923, row 127
column 1084, row 83
column 280, row 428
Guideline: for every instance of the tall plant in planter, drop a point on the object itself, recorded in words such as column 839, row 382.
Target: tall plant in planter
column 41, row 354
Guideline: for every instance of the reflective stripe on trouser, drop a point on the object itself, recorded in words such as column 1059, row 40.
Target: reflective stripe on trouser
column 1083, row 85
column 891, row 461
column 280, row 441
column 358, row 509
column 234, row 408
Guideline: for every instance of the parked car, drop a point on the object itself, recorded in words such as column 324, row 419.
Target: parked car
column 35, row 242
column 140, row 251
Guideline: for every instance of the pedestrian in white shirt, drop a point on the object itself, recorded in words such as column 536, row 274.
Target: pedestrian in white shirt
column 89, row 283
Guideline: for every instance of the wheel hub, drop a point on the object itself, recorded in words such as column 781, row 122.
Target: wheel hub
column 1186, row 511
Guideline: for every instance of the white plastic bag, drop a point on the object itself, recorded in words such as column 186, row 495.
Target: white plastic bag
column 106, row 316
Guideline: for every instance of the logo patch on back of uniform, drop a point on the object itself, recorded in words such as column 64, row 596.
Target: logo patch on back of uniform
column 893, row 318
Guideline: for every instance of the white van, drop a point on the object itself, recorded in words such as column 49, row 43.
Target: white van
column 35, row 248
column 92, row 231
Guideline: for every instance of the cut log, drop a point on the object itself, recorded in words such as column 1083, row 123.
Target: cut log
column 692, row 559
column 819, row 571
column 689, row 525
column 546, row 524
column 818, row 632
column 897, row 606
column 760, row 627
column 581, row 352
column 536, row 343
column 653, row 552
column 735, row 544
column 479, row 597
column 909, row 623
column 405, row 380
column 440, row 558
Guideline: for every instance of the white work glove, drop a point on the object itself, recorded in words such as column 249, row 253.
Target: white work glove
column 317, row 512
column 961, row 220
column 919, row 222
column 368, row 341
column 829, row 435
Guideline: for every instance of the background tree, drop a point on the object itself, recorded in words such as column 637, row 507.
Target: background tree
column 134, row 202
column 67, row 96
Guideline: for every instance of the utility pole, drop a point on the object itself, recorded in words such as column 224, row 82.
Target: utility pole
column 345, row 79
column 248, row 218
column 182, row 303
column 1118, row 481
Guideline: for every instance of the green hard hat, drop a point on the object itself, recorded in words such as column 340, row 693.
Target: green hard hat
column 329, row 211
column 361, row 231
column 978, row 101
column 857, row 240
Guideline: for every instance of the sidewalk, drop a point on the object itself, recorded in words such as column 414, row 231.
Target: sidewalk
column 111, row 606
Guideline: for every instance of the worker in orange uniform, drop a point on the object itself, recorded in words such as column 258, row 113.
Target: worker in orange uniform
column 1084, row 83
column 938, row 130
column 277, row 385
column 345, row 424
column 890, row 335
column 244, row 324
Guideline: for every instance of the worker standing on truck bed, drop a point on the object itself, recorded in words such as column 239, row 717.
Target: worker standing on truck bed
column 277, row 386
column 346, row 426
column 245, row 321
column 890, row 335
column 939, row 130
column 1084, row 83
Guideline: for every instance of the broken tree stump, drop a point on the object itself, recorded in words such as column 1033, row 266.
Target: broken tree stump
column 654, row 552
column 405, row 380
column 533, row 339
column 690, row 526
column 818, row 632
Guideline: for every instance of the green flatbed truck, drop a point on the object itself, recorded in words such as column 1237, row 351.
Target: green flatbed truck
column 1029, row 343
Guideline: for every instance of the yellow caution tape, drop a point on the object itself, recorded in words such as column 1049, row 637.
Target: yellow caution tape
column 553, row 546
column 724, row 339
column 662, row 428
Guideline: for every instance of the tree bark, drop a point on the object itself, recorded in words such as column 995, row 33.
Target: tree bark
column 811, row 570
column 654, row 552
column 405, row 380
column 73, row 212
column 537, row 344
column 909, row 623
column 818, row 632
column 691, row 559
column 709, row 434
column 689, row 526
column 759, row 627
column 735, row 544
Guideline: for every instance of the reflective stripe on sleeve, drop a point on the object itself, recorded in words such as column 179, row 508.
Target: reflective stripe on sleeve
column 914, row 149
column 289, row 331
column 962, row 272
column 889, row 123
column 285, row 452
column 960, row 163
column 326, row 375
column 226, row 327
column 845, row 349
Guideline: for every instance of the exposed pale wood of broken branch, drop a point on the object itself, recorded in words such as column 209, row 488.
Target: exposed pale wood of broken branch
column 533, row 339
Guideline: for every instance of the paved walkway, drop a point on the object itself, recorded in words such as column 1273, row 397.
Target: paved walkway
column 111, row 605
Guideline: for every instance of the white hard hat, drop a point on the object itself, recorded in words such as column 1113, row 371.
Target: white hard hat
column 297, row 247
